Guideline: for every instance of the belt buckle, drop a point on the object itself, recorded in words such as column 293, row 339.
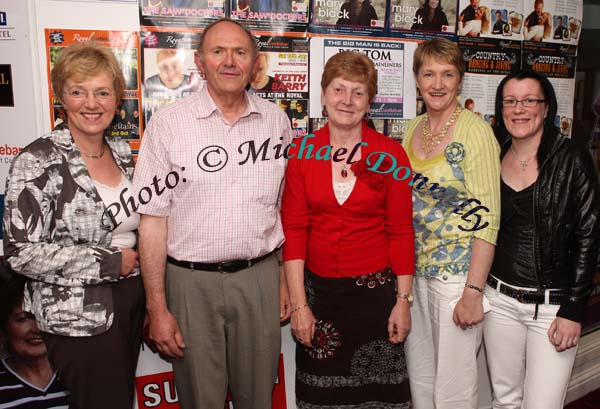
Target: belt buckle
column 220, row 267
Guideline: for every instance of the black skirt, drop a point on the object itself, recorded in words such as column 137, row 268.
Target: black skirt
column 352, row 364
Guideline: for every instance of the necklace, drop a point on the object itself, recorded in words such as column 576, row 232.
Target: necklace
column 524, row 163
column 94, row 155
column 344, row 172
column 429, row 141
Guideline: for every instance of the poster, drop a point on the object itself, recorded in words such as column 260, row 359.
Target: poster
column 422, row 18
column 558, row 64
column 180, row 13
column 125, row 46
column 169, row 68
column 366, row 18
column 393, row 61
column 282, row 78
column 17, row 90
column 155, row 384
column 552, row 21
column 501, row 19
column 271, row 15
column 488, row 61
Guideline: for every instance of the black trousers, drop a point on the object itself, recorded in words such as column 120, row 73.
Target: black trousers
column 99, row 371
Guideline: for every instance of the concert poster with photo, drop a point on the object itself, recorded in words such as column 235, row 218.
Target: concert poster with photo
column 169, row 68
column 422, row 19
column 500, row 19
column 552, row 21
column 271, row 15
column 125, row 46
column 180, row 13
column 282, row 77
column 348, row 17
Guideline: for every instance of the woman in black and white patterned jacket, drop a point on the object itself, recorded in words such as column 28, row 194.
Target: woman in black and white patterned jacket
column 70, row 227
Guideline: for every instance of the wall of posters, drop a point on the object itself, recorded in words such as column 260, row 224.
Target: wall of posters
column 295, row 37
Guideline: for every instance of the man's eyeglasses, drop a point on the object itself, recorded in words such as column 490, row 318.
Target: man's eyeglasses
column 527, row 102
column 79, row 94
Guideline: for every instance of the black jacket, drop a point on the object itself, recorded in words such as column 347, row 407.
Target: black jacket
column 567, row 222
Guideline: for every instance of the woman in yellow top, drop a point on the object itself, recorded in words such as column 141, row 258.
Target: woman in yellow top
column 456, row 191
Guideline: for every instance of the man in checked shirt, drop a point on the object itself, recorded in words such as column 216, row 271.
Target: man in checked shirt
column 208, row 242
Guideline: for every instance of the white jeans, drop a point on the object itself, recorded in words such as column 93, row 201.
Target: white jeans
column 441, row 357
column 525, row 369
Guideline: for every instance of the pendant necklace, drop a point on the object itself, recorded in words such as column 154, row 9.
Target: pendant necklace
column 524, row 163
column 344, row 172
column 94, row 155
column 429, row 141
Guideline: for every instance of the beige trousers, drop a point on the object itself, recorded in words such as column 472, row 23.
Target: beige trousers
column 230, row 326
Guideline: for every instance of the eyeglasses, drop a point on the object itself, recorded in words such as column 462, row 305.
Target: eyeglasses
column 79, row 94
column 527, row 102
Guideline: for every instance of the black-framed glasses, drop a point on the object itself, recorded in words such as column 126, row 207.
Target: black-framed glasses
column 527, row 102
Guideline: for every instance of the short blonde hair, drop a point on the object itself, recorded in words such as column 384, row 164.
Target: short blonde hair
column 351, row 66
column 84, row 60
column 440, row 49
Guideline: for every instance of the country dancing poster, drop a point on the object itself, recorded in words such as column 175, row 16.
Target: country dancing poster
column 125, row 46
column 558, row 63
column 488, row 61
column 396, row 91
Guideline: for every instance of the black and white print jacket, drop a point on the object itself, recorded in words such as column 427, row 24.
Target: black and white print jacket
column 55, row 234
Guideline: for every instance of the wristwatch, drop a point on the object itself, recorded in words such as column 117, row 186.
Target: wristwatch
column 408, row 297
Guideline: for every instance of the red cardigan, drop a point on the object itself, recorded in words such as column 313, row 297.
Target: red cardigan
column 372, row 230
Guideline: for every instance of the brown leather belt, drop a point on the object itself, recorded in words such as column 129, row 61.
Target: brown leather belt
column 232, row 266
column 525, row 296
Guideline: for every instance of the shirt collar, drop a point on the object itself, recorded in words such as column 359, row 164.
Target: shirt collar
column 206, row 105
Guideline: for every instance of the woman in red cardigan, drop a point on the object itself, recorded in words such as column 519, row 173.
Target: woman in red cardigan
column 349, row 251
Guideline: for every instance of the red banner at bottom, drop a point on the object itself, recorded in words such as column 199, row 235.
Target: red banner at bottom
column 157, row 391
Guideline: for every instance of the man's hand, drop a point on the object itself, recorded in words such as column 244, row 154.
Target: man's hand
column 165, row 334
column 284, row 297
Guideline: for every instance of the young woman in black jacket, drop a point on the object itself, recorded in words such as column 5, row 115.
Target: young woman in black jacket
column 546, row 251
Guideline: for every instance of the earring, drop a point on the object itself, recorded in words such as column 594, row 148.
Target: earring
column 324, row 112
